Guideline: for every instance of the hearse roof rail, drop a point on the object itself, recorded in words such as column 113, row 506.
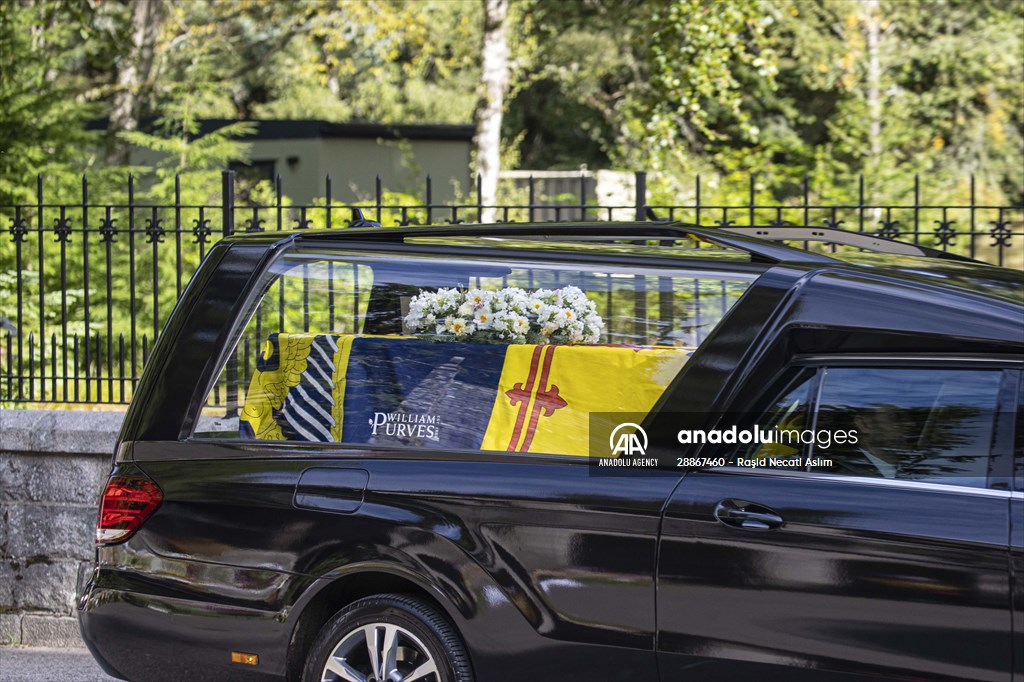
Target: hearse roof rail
column 757, row 242
column 832, row 235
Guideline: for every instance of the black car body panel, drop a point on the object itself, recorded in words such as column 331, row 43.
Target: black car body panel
column 545, row 568
column 571, row 555
column 854, row 573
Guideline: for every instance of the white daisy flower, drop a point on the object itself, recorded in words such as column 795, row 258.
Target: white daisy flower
column 483, row 319
column 478, row 297
column 451, row 323
column 500, row 321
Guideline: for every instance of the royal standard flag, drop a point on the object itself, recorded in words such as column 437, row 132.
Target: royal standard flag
column 547, row 393
column 411, row 392
column 294, row 392
column 402, row 391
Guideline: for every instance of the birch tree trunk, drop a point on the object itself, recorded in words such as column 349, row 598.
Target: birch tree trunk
column 494, row 79
column 872, row 21
column 134, row 73
column 875, row 33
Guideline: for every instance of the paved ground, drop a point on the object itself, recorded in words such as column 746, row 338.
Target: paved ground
column 33, row 664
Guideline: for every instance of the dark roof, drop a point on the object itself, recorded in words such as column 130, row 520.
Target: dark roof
column 305, row 129
column 980, row 279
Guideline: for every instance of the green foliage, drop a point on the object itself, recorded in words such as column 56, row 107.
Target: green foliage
column 41, row 90
column 705, row 61
column 780, row 88
column 389, row 62
column 196, row 161
column 945, row 95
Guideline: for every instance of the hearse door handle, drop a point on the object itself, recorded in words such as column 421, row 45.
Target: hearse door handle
column 747, row 515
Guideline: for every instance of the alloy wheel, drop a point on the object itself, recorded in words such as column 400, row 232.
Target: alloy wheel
column 380, row 652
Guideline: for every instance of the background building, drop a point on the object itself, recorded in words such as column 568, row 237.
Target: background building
column 305, row 152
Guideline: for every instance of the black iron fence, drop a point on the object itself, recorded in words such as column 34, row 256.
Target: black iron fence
column 85, row 288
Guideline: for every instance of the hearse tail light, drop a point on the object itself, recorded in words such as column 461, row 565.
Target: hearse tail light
column 127, row 502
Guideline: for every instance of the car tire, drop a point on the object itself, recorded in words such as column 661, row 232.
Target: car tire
column 406, row 634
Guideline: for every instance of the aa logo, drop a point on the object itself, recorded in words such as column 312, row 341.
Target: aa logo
column 628, row 443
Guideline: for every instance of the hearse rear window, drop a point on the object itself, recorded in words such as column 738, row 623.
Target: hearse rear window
column 457, row 354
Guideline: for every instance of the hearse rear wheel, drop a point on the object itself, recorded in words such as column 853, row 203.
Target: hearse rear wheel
column 388, row 638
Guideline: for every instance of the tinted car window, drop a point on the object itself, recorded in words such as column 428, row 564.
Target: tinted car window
column 464, row 355
column 913, row 424
column 791, row 413
column 1019, row 438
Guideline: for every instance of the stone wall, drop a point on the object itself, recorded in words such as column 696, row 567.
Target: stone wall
column 52, row 466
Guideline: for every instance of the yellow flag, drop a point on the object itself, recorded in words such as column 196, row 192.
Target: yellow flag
column 547, row 393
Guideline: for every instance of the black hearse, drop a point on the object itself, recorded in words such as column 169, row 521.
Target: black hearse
column 369, row 454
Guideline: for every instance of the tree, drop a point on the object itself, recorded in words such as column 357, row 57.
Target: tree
column 893, row 89
column 134, row 71
column 781, row 88
column 565, row 107
column 494, row 83
column 45, row 100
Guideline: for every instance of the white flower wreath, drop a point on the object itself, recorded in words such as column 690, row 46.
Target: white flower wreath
column 510, row 315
